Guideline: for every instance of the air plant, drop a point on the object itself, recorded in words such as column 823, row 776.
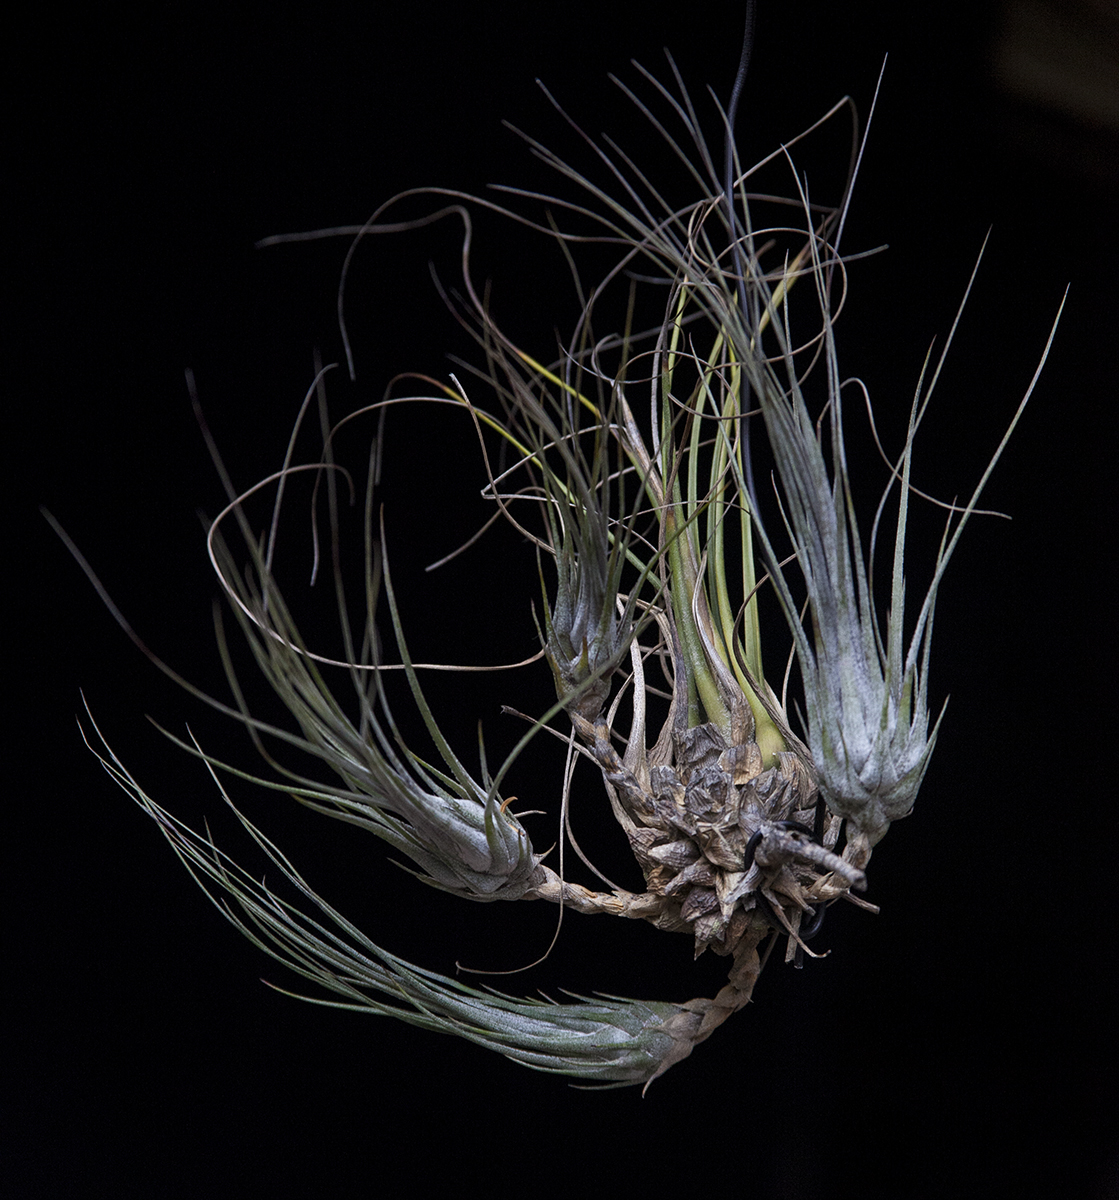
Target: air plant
column 630, row 460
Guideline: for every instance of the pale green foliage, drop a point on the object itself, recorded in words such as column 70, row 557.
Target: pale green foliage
column 451, row 826
column 606, row 1039
column 638, row 523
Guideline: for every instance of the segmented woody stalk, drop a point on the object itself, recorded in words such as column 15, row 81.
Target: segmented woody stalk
column 629, row 463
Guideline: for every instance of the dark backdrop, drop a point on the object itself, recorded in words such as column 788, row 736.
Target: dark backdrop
column 959, row 1044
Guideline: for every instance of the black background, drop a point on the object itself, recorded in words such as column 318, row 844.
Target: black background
column 961, row 1043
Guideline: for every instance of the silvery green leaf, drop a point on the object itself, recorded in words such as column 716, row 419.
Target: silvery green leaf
column 457, row 831
column 866, row 702
column 608, row 1040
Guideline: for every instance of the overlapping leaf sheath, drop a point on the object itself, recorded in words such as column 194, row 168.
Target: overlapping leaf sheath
column 865, row 701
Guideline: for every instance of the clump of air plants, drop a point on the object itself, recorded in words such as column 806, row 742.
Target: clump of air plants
column 630, row 465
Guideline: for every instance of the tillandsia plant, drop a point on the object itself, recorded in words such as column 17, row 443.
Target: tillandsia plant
column 633, row 461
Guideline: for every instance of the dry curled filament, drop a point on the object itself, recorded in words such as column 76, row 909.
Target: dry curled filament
column 632, row 457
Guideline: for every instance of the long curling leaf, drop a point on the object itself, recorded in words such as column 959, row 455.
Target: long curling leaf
column 607, row 1040
column 452, row 834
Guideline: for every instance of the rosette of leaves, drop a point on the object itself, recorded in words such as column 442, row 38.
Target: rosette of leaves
column 633, row 464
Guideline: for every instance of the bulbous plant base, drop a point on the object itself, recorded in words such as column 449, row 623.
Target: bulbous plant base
column 727, row 855
column 719, row 838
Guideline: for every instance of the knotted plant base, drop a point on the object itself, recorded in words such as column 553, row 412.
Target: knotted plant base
column 725, row 851
column 705, row 347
